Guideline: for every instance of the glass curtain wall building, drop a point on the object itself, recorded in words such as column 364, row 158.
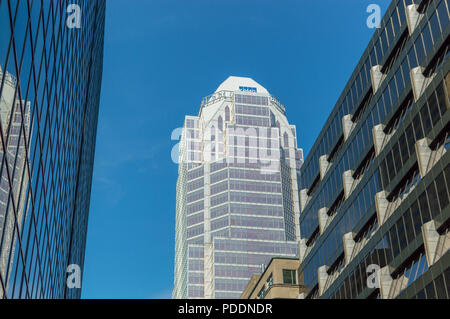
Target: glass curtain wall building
column 237, row 191
column 374, row 205
column 50, row 78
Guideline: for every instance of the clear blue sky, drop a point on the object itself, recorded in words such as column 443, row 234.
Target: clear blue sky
column 161, row 58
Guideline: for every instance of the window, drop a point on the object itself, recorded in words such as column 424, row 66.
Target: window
column 419, row 49
column 434, row 24
column 286, row 140
column 443, row 15
column 269, row 281
column 430, row 291
column 440, row 287
column 289, row 276
column 428, row 41
column 227, row 114
column 384, row 41
column 442, row 191
column 220, row 124
column 262, row 293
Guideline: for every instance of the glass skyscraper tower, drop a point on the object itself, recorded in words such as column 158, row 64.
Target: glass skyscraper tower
column 51, row 56
column 237, row 191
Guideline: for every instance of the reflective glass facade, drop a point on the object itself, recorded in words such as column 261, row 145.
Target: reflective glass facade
column 237, row 191
column 50, row 78
column 375, row 184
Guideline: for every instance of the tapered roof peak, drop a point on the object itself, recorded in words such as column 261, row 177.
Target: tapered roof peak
column 238, row 83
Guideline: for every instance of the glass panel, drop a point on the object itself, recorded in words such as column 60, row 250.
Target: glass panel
column 434, row 24
column 443, row 15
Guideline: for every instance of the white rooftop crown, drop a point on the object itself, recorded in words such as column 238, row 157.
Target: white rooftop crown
column 237, row 83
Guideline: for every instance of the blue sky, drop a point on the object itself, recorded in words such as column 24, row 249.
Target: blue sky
column 161, row 58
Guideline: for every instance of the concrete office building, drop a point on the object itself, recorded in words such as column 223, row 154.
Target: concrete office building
column 237, row 191
column 375, row 187
column 280, row 280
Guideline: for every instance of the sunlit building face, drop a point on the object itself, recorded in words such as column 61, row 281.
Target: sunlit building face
column 237, row 191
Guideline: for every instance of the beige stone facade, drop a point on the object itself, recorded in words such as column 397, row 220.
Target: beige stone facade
column 280, row 280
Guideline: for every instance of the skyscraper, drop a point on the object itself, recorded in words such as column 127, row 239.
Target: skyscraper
column 237, row 191
column 375, row 186
column 51, row 56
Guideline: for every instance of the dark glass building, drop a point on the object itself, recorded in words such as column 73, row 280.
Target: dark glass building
column 50, row 76
column 374, row 202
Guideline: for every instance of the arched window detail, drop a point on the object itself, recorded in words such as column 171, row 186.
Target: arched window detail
column 286, row 140
column 227, row 114
column 213, row 133
column 220, row 124
column 213, row 142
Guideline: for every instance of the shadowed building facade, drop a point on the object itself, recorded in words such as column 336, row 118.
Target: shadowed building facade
column 374, row 201
column 237, row 191
column 50, row 78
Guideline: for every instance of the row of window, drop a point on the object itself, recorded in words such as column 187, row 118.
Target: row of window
column 219, row 176
column 191, row 123
column 194, row 219
column 436, row 107
column 251, row 110
column 220, row 187
column 195, row 231
column 421, row 125
column 383, row 106
column 252, row 120
column 259, row 234
column 241, row 259
column 194, row 196
column 230, row 284
column 195, row 291
column 251, row 209
column 219, row 223
column 236, row 271
column 360, row 83
column 260, row 222
column 195, row 173
column 192, row 134
column 195, row 252
column 195, row 278
column 219, row 199
column 363, row 202
column 195, row 264
column 219, row 211
column 254, row 175
column 260, row 198
column 261, row 132
column 250, row 99
column 227, row 295
column 254, row 246
column 195, row 207
column 221, row 164
column 255, row 186
column 408, row 226
column 428, row 205
column 438, row 288
column 357, row 281
column 195, row 184
column 438, row 22
column 254, row 141
column 253, row 154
